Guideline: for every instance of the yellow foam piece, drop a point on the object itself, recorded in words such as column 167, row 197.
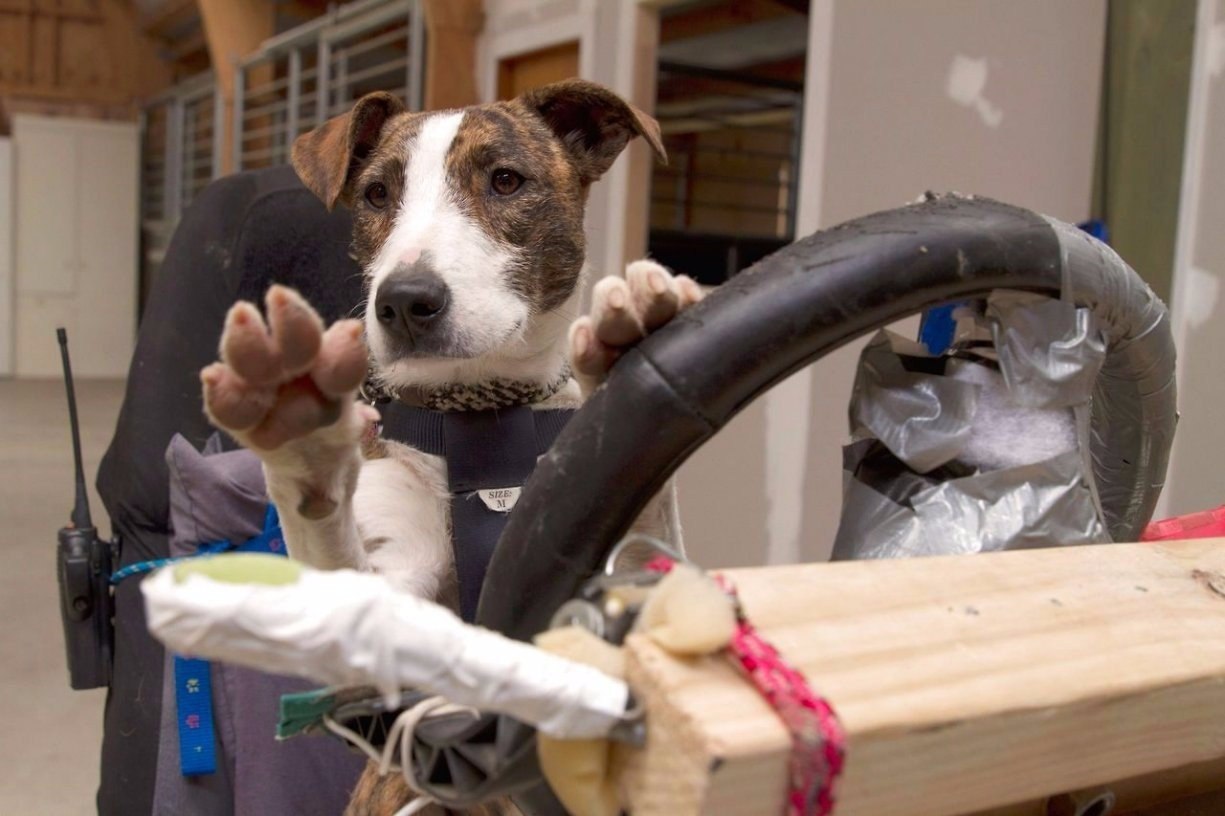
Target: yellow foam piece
column 581, row 645
column 241, row 568
column 579, row 770
column 688, row 614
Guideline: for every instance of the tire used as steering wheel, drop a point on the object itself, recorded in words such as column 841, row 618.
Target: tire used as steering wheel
column 681, row 385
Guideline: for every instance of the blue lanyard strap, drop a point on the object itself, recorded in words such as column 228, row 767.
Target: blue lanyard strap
column 193, row 688
column 193, row 698
column 268, row 541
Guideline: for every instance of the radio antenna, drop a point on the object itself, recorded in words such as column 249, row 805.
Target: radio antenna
column 80, row 507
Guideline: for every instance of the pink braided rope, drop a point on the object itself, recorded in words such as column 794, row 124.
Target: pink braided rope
column 818, row 741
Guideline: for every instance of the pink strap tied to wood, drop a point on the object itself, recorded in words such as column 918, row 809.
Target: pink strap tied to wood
column 817, row 738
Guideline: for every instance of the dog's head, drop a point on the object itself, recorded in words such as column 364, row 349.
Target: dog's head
column 468, row 223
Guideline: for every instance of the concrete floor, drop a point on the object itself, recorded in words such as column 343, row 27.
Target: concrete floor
column 52, row 735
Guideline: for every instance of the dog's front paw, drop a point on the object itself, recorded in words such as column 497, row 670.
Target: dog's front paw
column 623, row 311
column 285, row 379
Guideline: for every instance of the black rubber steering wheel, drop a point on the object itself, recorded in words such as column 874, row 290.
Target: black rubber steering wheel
column 673, row 392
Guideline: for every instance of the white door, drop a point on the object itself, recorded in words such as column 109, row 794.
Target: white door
column 77, row 253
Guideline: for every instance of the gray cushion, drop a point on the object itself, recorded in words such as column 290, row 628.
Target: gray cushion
column 220, row 495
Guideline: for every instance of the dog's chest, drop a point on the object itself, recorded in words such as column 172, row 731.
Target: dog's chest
column 402, row 509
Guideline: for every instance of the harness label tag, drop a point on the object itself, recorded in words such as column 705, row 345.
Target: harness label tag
column 502, row 499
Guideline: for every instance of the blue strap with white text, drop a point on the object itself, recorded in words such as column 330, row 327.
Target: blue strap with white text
column 193, row 688
column 194, row 706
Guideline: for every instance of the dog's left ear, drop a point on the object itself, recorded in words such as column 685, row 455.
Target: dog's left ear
column 593, row 123
column 328, row 158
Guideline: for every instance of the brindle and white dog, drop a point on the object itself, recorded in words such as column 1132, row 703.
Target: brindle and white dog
column 468, row 225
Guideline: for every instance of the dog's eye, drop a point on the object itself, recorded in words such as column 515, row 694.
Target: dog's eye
column 504, row 182
column 376, row 194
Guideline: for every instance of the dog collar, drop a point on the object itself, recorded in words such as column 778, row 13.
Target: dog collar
column 482, row 396
column 490, row 454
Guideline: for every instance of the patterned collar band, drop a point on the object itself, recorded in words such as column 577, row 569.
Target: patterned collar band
column 482, row 396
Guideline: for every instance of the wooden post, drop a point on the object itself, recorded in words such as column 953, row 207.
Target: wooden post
column 233, row 31
column 640, row 159
column 964, row 683
column 452, row 27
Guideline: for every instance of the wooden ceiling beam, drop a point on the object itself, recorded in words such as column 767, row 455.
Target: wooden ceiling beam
column 182, row 48
column 233, row 30
column 705, row 20
column 798, row 6
column 173, row 14
column 678, row 86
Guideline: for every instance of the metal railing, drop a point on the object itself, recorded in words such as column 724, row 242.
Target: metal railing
column 297, row 80
column 180, row 155
column 294, row 82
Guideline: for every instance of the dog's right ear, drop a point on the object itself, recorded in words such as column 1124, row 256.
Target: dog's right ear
column 328, row 158
column 593, row 123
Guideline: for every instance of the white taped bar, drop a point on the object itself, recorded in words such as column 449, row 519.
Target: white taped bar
column 347, row 628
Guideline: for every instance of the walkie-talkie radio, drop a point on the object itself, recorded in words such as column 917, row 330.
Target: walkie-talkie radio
column 83, row 564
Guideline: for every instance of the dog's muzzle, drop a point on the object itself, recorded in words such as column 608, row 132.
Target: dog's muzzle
column 411, row 305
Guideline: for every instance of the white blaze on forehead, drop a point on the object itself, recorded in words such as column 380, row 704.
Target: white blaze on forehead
column 424, row 195
column 484, row 311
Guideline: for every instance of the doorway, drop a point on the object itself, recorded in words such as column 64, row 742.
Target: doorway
column 527, row 71
column 729, row 101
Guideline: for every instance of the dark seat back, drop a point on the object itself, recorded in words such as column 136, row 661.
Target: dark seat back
column 243, row 233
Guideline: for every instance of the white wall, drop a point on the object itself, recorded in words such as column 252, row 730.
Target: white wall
column 76, row 243
column 993, row 97
column 6, row 256
column 1196, row 478
column 896, row 127
column 987, row 96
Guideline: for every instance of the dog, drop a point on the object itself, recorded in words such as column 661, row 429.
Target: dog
column 468, row 226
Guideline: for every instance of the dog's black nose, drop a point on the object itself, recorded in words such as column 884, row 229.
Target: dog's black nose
column 409, row 305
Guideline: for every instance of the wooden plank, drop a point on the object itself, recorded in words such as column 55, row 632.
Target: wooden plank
column 45, row 52
column 963, row 683
column 14, row 48
column 82, row 58
column 1146, row 795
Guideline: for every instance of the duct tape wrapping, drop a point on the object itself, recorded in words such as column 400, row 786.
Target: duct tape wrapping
column 1132, row 415
column 981, row 449
column 1049, row 422
column 346, row 628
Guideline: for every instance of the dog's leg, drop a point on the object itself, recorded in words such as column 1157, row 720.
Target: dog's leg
column 286, row 391
column 623, row 312
column 377, row 795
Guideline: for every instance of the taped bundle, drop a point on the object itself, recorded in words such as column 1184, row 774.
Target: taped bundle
column 983, row 448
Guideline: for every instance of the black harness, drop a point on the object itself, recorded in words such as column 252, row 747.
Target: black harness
column 490, row 454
